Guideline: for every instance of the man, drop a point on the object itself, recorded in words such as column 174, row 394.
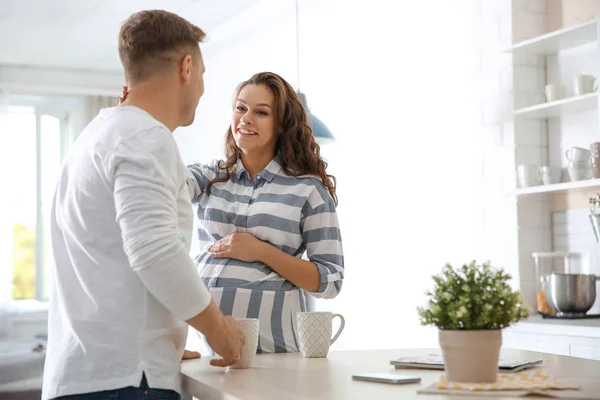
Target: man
column 121, row 230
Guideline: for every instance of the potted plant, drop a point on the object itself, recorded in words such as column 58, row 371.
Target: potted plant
column 470, row 306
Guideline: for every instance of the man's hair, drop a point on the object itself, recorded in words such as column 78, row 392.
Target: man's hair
column 150, row 41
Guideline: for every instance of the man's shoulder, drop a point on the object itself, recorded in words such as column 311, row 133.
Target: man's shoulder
column 128, row 122
column 129, row 128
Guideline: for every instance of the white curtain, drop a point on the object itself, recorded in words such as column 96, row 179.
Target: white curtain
column 96, row 103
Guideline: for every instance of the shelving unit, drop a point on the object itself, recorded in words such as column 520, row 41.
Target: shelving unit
column 559, row 108
column 554, row 42
column 547, row 45
column 541, row 133
column 558, row 187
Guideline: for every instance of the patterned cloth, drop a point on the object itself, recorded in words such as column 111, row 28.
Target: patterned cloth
column 537, row 379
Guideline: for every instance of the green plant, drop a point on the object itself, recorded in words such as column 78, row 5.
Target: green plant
column 472, row 297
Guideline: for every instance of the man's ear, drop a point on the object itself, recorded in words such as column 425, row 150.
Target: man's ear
column 186, row 69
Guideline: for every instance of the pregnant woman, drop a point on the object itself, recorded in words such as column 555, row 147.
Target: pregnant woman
column 262, row 208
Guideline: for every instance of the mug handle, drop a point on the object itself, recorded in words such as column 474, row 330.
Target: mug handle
column 341, row 328
column 567, row 154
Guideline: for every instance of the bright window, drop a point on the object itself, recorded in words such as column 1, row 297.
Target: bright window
column 29, row 164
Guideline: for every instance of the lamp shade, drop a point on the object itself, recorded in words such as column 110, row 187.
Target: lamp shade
column 321, row 132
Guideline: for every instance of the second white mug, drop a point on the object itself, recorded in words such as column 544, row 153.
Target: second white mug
column 555, row 92
column 583, row 84
column 314, row 332
column 578, row 154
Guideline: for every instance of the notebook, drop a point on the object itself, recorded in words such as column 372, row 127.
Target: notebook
column 435, row 361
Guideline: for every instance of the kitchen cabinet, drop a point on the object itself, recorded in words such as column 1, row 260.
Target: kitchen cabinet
column 564, row 337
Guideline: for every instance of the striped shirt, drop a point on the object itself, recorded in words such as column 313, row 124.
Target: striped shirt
column 295, row 215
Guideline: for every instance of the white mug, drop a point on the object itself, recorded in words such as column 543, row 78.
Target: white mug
column 314, row 332
column 528, row 175
column 250, row 328
column 583, row 84
column 578, row 154
column 555, row 92
column 579, row 171
column 550, row 174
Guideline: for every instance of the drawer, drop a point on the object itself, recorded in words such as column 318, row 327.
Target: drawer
column 534, row 342
column 584, row 351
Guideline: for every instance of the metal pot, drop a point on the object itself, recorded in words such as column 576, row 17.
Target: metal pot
column 571, row 294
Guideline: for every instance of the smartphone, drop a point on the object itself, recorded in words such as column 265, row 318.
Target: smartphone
column 386, row 378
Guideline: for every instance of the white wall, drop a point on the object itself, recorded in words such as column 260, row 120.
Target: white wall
column 395, row 83
column 563, row 13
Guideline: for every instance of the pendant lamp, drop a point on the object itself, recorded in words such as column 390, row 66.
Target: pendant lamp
column 321, row 132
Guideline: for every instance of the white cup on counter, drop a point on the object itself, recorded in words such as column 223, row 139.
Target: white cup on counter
column 528, row 175
column 314, row 332
column 250, row 328
column 583, row 84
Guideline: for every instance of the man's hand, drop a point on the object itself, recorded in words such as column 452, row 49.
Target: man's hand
column 240, row 246
column 223, row 334
column 188, row 355
column 226, row 340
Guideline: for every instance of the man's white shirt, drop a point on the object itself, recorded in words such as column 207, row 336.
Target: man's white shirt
column 123, row 281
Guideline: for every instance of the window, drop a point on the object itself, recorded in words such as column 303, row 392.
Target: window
column 29, row 164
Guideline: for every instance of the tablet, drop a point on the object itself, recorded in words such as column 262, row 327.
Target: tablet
column 388, row 377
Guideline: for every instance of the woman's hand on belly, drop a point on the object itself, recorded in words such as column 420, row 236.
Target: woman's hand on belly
column 240, row 246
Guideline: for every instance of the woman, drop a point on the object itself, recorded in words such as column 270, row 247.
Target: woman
column 261, row 208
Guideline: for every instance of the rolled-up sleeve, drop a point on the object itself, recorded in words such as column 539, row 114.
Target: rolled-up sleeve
column 198, row 177
column 321, row 235
column 147, row 182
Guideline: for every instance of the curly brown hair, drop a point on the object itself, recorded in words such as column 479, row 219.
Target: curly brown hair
column 299, row 152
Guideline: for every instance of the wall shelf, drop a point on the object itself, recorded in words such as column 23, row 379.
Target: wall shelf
column 559, row 40
column 558, row 187
column 559, row 108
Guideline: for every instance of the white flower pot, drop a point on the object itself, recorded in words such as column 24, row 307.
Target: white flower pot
column 471, row 355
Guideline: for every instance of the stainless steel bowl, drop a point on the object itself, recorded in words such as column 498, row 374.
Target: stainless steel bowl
column 571, row 294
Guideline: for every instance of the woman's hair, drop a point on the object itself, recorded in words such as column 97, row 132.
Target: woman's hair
column 299, row 152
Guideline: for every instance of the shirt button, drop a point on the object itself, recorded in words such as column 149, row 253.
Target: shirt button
column 146, row 393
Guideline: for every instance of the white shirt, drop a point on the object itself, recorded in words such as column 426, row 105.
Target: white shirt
column 124, row 282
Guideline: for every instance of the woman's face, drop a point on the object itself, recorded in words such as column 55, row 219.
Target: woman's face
column 253, row 120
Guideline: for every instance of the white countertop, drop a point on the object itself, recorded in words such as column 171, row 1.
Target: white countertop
column 572, row 327
column 290, row 376
column 537, row 319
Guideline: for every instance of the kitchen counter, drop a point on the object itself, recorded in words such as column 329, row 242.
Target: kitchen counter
column 537, row 319
column 572, row 327
column 290, row 376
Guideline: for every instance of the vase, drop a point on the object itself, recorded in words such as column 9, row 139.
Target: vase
column 471, row 355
